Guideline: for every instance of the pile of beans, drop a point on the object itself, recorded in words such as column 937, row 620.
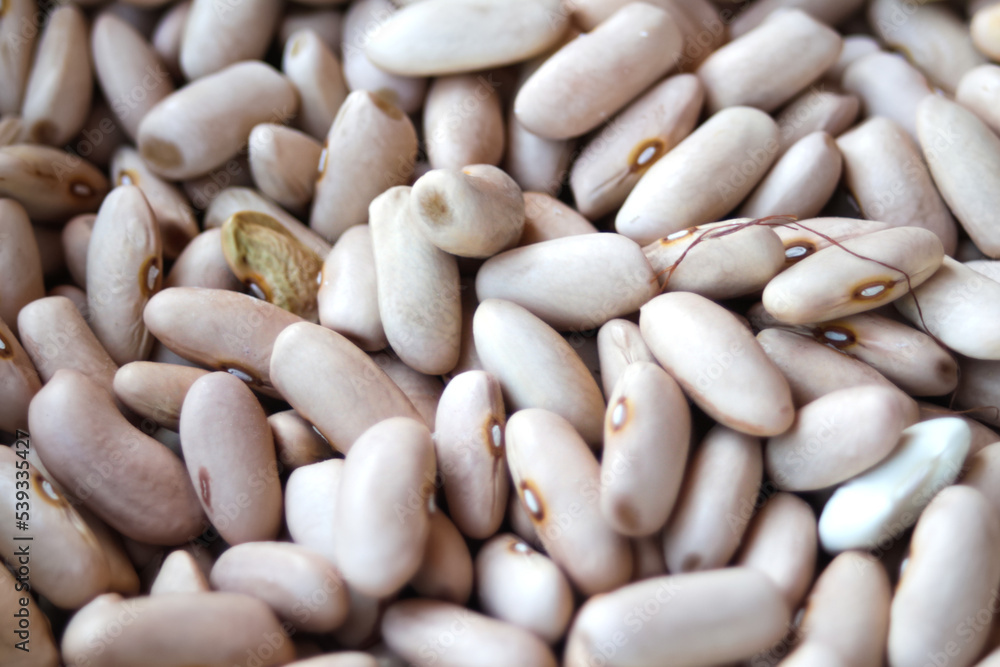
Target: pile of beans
column 512, row 333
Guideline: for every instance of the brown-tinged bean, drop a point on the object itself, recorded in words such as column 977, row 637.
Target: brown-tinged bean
column 155, row 391
column 889, row 86
column 58, row 93
column 979, row 390
column 935, row 600
column 179, row 573
column 124, row 269
column 148, row 628
column 50, row 184
column 203, row 264
column 348, row 290
column 18, row 251
column 838, row 436
column 230, row 457
column 236, row 199
column 558, row 482
column 673, row 621
column 371, row 147
column 717, row 362
column 816, row 111
column 166, row 38
column 382, row 516
column 426, row 632
column 446, row 569
column 571, row 283
column 611, row 163
column 715, row 503
column 41, row 650
column 619, row 344
column 312, row 366
column 536, row 367
column 317, row 76
column 806, row 237
column 124, row 578
column 707, row 175
column 310, row 506
column 217, row 35
column 309, row 594
column 223, row 107
column 547, row 218
column 647, row 430
column 220, row 329
column 55, row 336
column 463, row 122
column 283, row 162
column 423, row 391
column 523, row 587
column 297, row 442
column 19, row 381
column 418, row 286
column 10, row 127
column 15, row 61
column 82, row 439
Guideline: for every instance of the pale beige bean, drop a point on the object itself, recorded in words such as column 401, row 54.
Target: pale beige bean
column 468, row 358
column 55, row 336
column 339, row 659
column 572, row 283
column 981, row 434
column 298, row 443
column 813, row 369
column 718, row 260
column 745, row 71
column 703, row 178
column 155, row 391
column 124, row 578
column 19, row 30
column 58, row 93
column 536, row 367
column 983, row 28
column 63, row 559
column 547, row 218
column 838, row 436
column 619, row 345
column 180, row 573
column 309, row 594
column 889, row 86
column 534, row 162
column 983, row 469
column 10, row 129
column 130, row 72
column 816, row 110
column 317, row 76
column 310, row 506
column 813, row 655
column 861, row 274
column 856, row 47
column 830, row 12
column 521, row 523
column 236, row 199
column 371, row 147
column 711, row 513
column 348, row 291
column 647, row 431
column 932, row 615
column 476, row 211
column 173, row 212
column 218, row 34
column 426, row 632
column 596, row 74
column 361, row 21
column 523, row 587
column 978, row 91
column 18, row 251
column 801, row 181
column 885, row 173
column 381, row 518
column 446, row 569
column 423, row 391
column 468, row 442
column 203, row 264
column 463, row 122
column 979, row 390
column 326, row 22
column 449, row 36
column 848, row 609
column 311, row 364
column 148, row 628
column 964, row 158
column 230, row 458
column 957, row 306
column 284, row 162
column 931, row 35
column 19, row 381
column 83, row 439
column 558, row 481
column 781, row 542
column 613, row 161
column 166, row 38
column 418, row 287
column 124, row 270
column 100, row 136
column 673, row 621
column 74, row 294
column 806, row 237
column 717, row 362
column 50, row 184
column 362, row 625
column 219, row 329
column 223, row 107
column 39, row 648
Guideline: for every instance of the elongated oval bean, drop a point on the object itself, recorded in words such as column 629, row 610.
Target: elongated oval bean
column 18, row 250
column 816, row 111
column 50, row 184
column 619, row 344
column 42, row 650
column 463, row 122
column 446, row 569
column 179, row 573
column 155, row 391
column 889, row 86
column 348, row 290
column 283, row 162
column 236, row 199
column 297, row 442
column 317, row 76
column 978, row 90
column 19, row 382
column 203, row 264
column 547, row 218
column 15, row 63
column 218, row 34
column 310, row 505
